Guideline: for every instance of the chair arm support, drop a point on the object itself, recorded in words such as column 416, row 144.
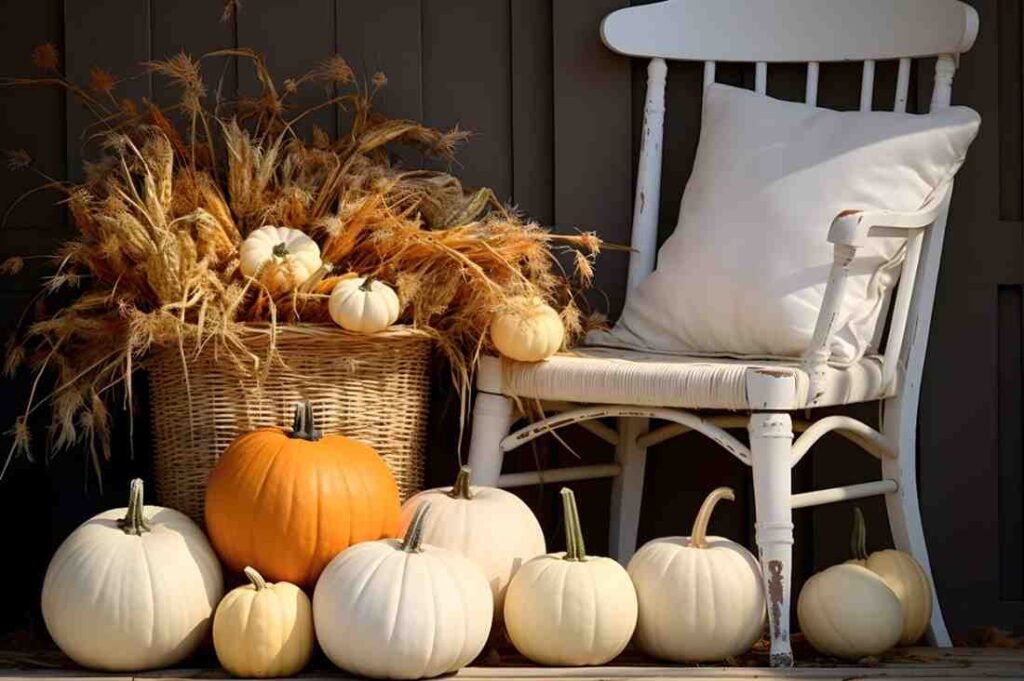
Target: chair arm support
column 854, row 228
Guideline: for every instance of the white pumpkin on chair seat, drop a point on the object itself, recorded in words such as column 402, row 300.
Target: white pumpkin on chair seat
column 570, row 609
column 490, row 526
column 132, row 588
column 701, row 598
column 527, row 330
column 401, row 609
column 903, row 575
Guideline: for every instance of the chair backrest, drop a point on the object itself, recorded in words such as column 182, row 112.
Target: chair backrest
column 801, row 31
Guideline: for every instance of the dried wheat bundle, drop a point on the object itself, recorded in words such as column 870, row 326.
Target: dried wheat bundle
column 173, row 191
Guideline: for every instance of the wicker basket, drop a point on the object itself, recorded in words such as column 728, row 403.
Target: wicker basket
column 375, row 389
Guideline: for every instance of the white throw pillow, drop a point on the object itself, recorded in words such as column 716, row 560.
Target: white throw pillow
column 744, row 272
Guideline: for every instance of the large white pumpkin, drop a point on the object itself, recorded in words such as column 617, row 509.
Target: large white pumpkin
column 263, row 630
column 527, row 330
column 903, row 575
column 490, row 526
column 402, row 609
column 570, row 609
column 848, row 611
column 701, row 598
column 132, row 588
column 282, row 257
column 363, row 305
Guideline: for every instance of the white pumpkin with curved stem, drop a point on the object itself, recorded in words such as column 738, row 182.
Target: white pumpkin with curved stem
column 132, row 588
column 401, row 609
column 363, row 305
column 283, row 258
column 527, row 330
column 570, row 609
column 701, row 598
column 903, row 575
column 848, row 611
column 490, row 526
column 263, row 630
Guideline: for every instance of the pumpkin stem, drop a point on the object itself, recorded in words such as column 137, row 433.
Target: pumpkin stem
column 367, row 285
column 280, row 250
column 303, row 426
column 134, row 522
column 413, row 539
column 574, row 548
column 460, row 490
column 859, row 535
column 255, row 577
column 698, row 536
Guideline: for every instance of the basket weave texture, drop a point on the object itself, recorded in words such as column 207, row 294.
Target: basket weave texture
column 372, row 388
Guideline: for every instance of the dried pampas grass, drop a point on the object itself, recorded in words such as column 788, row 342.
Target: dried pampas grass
column 165, row 206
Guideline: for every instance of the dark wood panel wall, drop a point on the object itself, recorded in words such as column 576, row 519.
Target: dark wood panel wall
column 556, row 119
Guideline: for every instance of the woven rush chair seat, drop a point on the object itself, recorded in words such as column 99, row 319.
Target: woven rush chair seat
column 604, row 375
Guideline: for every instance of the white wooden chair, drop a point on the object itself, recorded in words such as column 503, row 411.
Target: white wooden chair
column 589, row 384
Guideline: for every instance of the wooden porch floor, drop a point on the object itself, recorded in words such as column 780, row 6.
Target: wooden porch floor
column 911, row 663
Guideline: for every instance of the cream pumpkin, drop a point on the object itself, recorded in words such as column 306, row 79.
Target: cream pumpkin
column 527, row 330
column 490, row 526
column 402, row 609
column 570, row 609
column 848, row 611
column 263, row 630
column 701, row 598
column 283, row 258
column 363, row 305
column 132, row 588
column 903, row 575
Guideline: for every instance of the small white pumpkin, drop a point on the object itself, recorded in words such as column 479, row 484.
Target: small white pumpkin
column 903, row 575
column 527, row 330
column 848, row 611
column 402, row 609
column 132, row 588
column 701, row 598
column 490, row 526
column 263, row 630
column 363, row 305
column 570, row 609
column 283, row 258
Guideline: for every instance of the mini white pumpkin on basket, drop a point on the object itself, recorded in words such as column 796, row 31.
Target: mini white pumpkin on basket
column 281, row 257
column 132, row 588
column 263, row 630
column 401, row 609
column 490, row 526
column 701, row 598
column 527, row 329
column 570, row 609
column 363, row 305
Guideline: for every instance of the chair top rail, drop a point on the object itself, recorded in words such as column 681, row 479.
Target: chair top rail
column 791, row 30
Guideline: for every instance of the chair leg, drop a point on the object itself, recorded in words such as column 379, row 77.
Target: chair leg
column 492, row 418
column 905, row 521
column 627, row 489
column 771, row 445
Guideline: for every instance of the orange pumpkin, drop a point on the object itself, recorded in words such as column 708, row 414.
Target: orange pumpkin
column 286, row 503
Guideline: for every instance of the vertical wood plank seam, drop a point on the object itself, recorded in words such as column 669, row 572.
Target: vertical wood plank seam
column 514, row 198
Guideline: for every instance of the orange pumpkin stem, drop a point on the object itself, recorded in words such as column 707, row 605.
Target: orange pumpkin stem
column 303, row 426
column 859, row 535
column 460, row 490
column 134, row 521
column 413, row 540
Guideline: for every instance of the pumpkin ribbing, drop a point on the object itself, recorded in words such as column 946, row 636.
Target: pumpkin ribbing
column 698, row 536
column 134, row 521
column 574, row 547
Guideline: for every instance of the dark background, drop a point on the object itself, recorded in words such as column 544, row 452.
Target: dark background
column 557, row 118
